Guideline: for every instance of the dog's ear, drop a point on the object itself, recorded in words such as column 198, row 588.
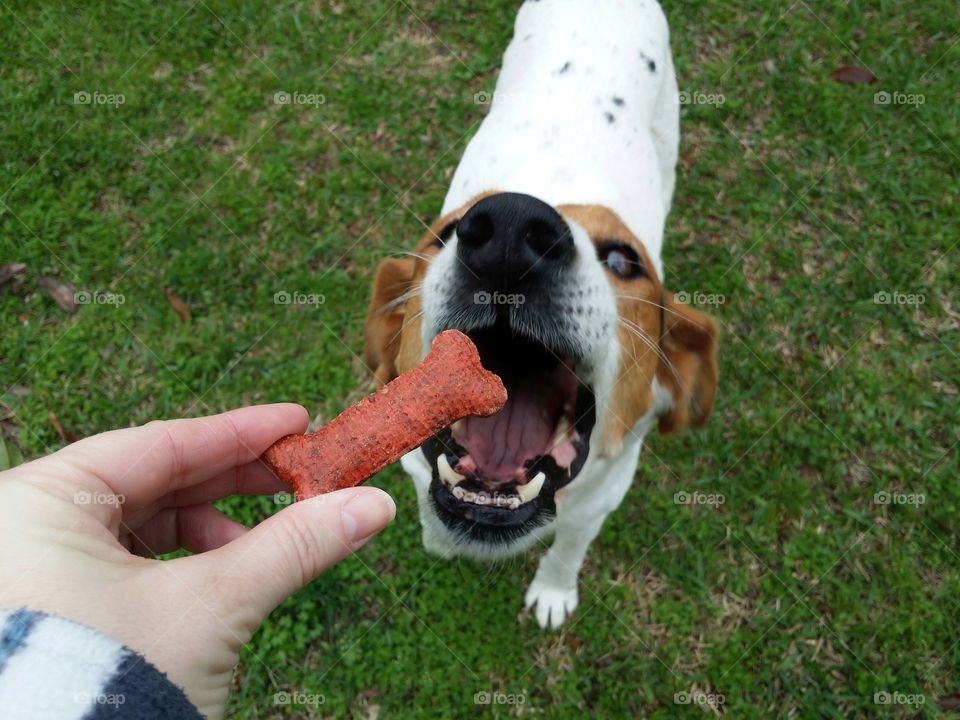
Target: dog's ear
column 385, row 316
column 689, row 373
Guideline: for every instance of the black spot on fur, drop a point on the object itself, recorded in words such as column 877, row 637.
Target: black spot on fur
column 619, row 101
column 566, row 66
column 609, row 117
column 651, row 65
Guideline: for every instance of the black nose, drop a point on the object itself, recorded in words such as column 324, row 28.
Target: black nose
column 510, row 237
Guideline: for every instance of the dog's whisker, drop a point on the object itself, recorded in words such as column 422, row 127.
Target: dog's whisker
column 386, row 307
column 413, row 254
column 660, row 306
column 645, row 338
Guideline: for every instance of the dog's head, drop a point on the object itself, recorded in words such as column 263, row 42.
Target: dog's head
column 565, row 305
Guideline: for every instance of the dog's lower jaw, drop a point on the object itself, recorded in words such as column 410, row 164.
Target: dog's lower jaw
column 552, row 595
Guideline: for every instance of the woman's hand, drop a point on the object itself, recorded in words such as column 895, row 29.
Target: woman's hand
column 75, row 525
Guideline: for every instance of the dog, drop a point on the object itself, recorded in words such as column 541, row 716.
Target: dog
column 547, row 255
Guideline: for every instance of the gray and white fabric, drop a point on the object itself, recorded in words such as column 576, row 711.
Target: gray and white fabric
column 55, row 669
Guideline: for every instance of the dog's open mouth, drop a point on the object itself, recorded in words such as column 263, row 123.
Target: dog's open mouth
column 503, row 471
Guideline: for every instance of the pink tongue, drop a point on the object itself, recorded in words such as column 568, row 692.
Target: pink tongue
column 501, row 444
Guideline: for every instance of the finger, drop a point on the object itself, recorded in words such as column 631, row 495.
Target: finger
column 254, row 478
column 197, row 528
column 261, row 568
column 144, row 463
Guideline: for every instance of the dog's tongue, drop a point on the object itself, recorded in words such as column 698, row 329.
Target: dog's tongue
column 499, row 445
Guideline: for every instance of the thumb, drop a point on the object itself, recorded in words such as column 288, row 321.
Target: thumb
column 291, row 548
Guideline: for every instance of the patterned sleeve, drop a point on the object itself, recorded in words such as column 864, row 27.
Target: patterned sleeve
column 55, row 669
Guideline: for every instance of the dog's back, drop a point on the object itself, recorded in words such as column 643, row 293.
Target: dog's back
column 585, row 111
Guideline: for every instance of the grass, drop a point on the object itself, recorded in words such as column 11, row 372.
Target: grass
column 799, row 199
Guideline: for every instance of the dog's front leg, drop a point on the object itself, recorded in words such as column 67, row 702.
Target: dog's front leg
column 553, row 593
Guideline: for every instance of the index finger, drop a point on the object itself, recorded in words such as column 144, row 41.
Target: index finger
column 143, row 463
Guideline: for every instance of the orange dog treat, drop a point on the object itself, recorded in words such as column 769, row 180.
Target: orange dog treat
column 448, row 385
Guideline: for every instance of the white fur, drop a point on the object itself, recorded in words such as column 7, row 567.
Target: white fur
column 548, row 135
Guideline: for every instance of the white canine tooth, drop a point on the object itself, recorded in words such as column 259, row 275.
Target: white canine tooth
column 450, row 477
column 458, row 492
column 532, row 489
column 514, row 503
column 560, row 434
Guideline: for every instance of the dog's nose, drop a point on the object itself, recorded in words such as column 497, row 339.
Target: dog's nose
column 508, row 237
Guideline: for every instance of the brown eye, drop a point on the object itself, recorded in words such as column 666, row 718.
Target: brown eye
column 621, row 260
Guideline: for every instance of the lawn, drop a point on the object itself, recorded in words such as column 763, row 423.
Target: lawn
column 183, row 165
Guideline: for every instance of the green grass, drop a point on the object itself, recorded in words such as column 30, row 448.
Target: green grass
column 798, row 200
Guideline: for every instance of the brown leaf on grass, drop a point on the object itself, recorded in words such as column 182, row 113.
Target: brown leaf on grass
column 178, row 305
column 853, row 75
column 950, row 702
column 67, row 437
column 62, row 293
column 7, row 272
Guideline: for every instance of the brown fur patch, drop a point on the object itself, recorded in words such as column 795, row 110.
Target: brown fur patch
column 392, row 331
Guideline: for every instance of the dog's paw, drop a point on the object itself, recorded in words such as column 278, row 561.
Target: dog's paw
column 550, row 604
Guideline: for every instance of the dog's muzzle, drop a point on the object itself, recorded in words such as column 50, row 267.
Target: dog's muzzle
column 495, row 479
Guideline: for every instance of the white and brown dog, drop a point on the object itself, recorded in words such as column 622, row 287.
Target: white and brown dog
column 547, row 254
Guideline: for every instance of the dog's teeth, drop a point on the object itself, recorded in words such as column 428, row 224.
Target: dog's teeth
column 514, row 503
column 470, row 497
column 532, row 489
column 560, row 434
column 450, row 477
column 459, row 492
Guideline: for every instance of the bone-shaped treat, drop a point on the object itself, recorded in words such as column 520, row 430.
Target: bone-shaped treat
column 448, row 385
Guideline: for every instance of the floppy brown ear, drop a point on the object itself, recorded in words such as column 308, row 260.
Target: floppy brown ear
column 690, row 345
column 385, row 317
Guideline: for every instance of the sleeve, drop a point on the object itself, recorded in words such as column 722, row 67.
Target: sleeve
column 55, row 669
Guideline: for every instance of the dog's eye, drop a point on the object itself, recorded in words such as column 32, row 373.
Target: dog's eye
column 444, row 235
column 622, row 260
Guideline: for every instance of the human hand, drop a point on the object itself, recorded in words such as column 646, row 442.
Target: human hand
column 73, row 527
